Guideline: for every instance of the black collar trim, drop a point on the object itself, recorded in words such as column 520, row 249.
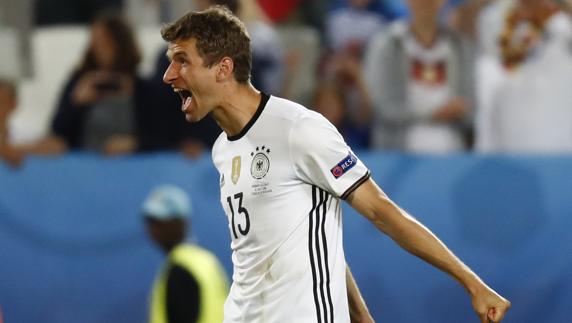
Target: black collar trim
column 263, row 100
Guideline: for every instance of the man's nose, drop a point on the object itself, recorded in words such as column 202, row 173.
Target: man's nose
column 170, row 74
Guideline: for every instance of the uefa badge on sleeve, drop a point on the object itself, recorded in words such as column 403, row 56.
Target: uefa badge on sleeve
column 344, row 165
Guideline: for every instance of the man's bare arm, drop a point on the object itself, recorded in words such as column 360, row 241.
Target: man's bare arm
column 373, row 203
column 359, row 312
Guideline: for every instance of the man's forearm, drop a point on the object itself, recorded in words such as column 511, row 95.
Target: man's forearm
column 420, row 241
column 373, row 203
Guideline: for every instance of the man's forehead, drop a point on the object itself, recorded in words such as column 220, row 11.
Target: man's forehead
column 180, row 46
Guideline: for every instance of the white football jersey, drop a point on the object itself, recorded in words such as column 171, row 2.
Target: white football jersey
column 281, row 181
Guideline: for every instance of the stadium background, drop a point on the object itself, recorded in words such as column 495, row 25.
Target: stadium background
column 74, row 247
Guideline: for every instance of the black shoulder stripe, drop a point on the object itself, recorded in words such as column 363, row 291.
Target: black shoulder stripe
column 356, row 185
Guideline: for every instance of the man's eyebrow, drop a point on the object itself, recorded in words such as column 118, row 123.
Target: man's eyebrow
column 179, row 52
column 172, row 55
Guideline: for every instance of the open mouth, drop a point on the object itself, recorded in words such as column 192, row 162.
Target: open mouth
column 184, row 94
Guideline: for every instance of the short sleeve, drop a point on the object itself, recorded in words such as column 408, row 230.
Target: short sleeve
column 321, row 157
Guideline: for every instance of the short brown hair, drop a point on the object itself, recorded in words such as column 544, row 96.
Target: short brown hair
column 218, row 33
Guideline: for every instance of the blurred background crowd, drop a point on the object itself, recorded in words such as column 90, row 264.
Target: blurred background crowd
column 415, row 76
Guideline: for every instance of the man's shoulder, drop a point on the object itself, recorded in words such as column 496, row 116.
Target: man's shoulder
column 285, row 108
column 217, row 144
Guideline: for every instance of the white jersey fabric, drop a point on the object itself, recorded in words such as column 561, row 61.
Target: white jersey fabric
column 427, row 96
column 281, row 180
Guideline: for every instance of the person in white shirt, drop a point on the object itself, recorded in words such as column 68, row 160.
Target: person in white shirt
column 524, row 72
column 284, row 171
column 419, row 73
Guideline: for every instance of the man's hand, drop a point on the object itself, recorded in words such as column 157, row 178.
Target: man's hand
column 120, row 145
column 192, row 148
column 456, row 109
column 85, row 91
column 13, row 157
column 490, row 306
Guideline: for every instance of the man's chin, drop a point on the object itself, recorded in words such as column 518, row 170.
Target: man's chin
column 192, row 119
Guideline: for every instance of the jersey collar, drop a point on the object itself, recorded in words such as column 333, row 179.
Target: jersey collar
column 263, row 100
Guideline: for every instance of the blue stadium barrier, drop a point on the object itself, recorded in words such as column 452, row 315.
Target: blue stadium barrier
column 73, row 246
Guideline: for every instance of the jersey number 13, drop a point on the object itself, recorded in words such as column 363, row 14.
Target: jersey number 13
column 241, row 210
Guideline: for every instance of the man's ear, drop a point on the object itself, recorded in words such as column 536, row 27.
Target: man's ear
column 225, row 69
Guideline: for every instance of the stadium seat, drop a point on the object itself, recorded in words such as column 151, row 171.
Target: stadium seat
column 10, row 64
column 150, row 44
column 56, row 51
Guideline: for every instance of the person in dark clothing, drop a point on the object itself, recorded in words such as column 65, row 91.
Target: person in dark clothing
column 102, row 105
column 106, row 107
column 192, row 286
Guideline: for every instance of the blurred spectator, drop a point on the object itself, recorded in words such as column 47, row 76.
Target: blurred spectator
column 348, row 32
column 351, row 27
column 390, row 9
column 11, row 153
column 524, row 81
column 192, row 285
column 332, row 101
column 463, row 17
column 267, row 52
column 105, row 106
column 312, row 13
column 419, row 74
column 8, row 98
column 97, row 110
column 567, row 6
column 279, row 10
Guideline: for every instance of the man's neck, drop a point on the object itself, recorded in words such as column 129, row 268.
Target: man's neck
column 237, row 108
column 168, row 247
column 424, row 29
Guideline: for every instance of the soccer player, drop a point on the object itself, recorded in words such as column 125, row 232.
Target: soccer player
column 284, row 170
